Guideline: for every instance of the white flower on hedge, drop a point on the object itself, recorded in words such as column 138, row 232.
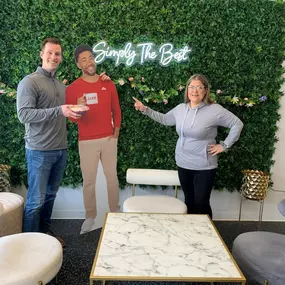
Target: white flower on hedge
column 235, row 99
column 121, row 82
column 180, row 88
column 250, row 104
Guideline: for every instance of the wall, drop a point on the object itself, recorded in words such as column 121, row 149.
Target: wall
column 69, row 202
column 278, row 168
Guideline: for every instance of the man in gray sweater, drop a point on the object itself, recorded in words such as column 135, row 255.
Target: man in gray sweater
column 41, row 107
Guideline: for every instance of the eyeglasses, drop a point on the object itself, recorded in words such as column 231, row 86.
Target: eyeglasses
column 198, row 87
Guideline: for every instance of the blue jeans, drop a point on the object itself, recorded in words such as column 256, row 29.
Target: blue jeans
column 45, row 172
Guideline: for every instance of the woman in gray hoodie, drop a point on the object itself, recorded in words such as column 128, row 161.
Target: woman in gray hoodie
column 196, row 121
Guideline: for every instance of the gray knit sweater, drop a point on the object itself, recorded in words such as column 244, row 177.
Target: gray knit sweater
column 39, row 97
column 197, row 128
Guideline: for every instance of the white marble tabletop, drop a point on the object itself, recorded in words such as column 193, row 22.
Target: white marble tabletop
column 139, row 246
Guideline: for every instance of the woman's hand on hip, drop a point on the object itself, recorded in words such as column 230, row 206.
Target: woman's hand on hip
column 215, row 149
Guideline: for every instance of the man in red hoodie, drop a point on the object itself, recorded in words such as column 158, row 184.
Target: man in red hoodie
column 98, row 132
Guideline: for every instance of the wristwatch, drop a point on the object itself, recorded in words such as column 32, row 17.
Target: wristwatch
column 225, row 146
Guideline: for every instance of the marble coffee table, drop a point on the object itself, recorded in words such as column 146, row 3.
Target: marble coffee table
column 162, row 247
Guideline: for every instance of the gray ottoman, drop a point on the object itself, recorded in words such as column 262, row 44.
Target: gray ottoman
column 261, row 256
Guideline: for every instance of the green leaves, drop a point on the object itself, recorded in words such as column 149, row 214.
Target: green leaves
column 238, row 45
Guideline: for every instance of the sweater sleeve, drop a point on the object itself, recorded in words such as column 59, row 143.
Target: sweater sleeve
column 116, row 110
column 167, row 119
column 27, row 110
column 229, row 120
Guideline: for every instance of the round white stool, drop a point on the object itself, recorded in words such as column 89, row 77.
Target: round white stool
column 154, row 204
column 29, row 259
column 11, row 213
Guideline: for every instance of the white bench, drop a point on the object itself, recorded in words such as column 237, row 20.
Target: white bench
column 153, row 177
column 158, row 203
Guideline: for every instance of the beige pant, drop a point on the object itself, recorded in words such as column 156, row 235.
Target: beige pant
column 91, row 151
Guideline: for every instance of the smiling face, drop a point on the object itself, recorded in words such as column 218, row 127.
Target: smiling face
column 196, row 92
column 51, row 56
column 86, row 63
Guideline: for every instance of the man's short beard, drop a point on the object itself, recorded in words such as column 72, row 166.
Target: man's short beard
column 89, row 73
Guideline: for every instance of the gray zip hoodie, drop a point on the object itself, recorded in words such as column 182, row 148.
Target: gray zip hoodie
column 39, row 99
column 197, row 128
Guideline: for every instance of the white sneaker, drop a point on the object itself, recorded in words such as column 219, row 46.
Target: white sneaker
column 87, row 225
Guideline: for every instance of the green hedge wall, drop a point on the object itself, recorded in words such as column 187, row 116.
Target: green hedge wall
column 237, row 44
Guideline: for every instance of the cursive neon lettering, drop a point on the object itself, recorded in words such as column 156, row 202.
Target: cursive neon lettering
column 140, row 53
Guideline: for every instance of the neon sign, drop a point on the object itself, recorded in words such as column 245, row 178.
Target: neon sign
column 140, row 53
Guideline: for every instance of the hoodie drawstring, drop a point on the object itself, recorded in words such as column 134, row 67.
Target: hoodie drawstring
column 182, row 127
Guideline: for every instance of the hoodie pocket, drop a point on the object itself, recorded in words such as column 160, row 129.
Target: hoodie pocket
column 196, row 153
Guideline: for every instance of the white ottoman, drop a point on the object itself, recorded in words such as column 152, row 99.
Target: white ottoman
column 29, row 259
column 11, row 213
column 154, row 204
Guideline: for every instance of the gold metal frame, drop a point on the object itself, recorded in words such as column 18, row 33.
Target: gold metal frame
column 241, row 280
column 133, row 190
column 260, row 209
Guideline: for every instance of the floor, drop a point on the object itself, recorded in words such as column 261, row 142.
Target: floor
column 80, row 250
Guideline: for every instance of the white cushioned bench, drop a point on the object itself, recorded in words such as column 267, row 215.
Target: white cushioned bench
column 157, row 203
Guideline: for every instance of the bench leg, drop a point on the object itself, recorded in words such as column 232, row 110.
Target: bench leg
column 176, row 191
column 133, row 190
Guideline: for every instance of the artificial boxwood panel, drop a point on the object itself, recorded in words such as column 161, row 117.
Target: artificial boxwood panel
column 238, row 45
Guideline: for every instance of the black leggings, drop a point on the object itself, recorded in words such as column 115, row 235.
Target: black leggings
column 197, row 186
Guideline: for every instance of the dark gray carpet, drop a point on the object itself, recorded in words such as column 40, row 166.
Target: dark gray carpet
column 80, row 250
